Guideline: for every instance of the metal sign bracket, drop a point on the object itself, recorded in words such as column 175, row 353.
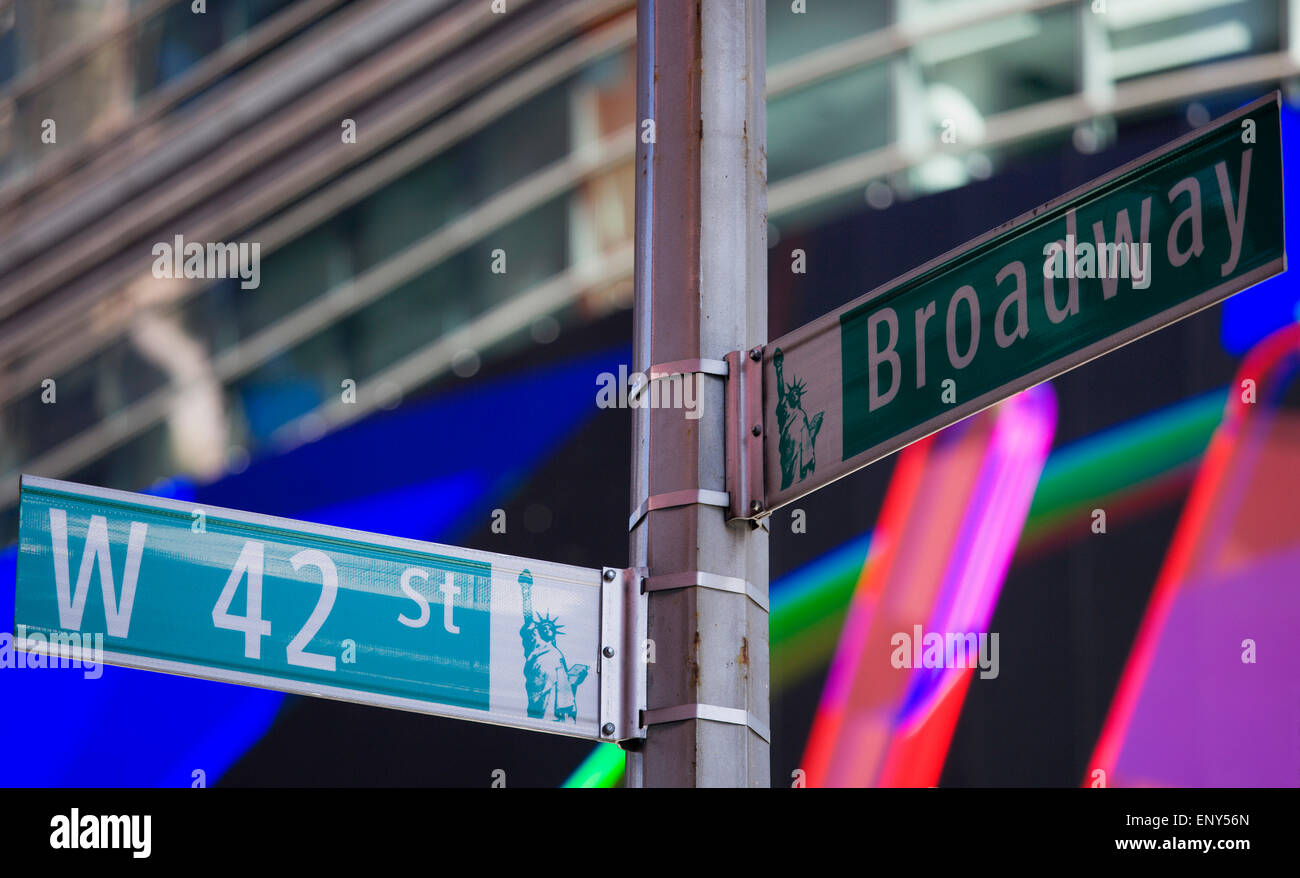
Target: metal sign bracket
column 744, row 402
column 622, row 658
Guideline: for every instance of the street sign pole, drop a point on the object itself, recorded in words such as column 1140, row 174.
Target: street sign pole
column 700, row 294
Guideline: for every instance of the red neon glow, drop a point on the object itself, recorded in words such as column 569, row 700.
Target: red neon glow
column 952, row 516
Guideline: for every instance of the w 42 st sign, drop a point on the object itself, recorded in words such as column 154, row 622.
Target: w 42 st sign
column 1148, row 244
column 318, row 610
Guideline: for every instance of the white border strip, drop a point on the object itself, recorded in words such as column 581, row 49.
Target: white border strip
column 710, row 712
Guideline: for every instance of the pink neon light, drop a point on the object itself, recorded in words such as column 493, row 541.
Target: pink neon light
column 972, row 578
column 1262, row 361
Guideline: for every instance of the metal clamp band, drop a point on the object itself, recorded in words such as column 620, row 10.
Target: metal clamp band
column 670, row 499
column 734, row 584
column 687, row 367
column 711, row 712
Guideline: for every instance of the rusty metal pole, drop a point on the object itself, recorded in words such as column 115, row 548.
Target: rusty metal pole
column 701, row 292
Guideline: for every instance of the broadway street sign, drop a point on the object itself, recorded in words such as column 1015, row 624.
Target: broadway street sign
column 1159, row 239
column 315, row 610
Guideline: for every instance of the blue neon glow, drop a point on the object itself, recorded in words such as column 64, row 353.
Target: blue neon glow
column 1251, row 315
column 412, row 472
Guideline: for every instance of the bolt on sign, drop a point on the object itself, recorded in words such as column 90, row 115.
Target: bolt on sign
column 318, row 610
column 1159, row 239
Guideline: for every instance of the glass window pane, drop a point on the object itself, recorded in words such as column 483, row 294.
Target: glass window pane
column 791, row 34
column 827, row 121
column 1001, row 64
column 1155, row 36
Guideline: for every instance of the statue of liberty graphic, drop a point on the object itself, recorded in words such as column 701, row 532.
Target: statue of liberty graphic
column 552, row 683
column 798, row 432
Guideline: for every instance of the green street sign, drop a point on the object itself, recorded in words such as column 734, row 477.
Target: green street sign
column 1148, row 244
column 189, row 589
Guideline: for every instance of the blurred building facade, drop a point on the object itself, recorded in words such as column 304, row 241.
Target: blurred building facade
column 124, row 124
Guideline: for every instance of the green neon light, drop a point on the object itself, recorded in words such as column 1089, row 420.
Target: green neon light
column 603, row 768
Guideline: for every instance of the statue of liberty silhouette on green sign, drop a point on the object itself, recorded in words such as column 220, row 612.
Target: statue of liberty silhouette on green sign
column 798, row 432
column 552, row 684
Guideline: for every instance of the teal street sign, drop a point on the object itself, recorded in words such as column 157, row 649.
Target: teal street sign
column 316, row 610
column 1155, row 241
